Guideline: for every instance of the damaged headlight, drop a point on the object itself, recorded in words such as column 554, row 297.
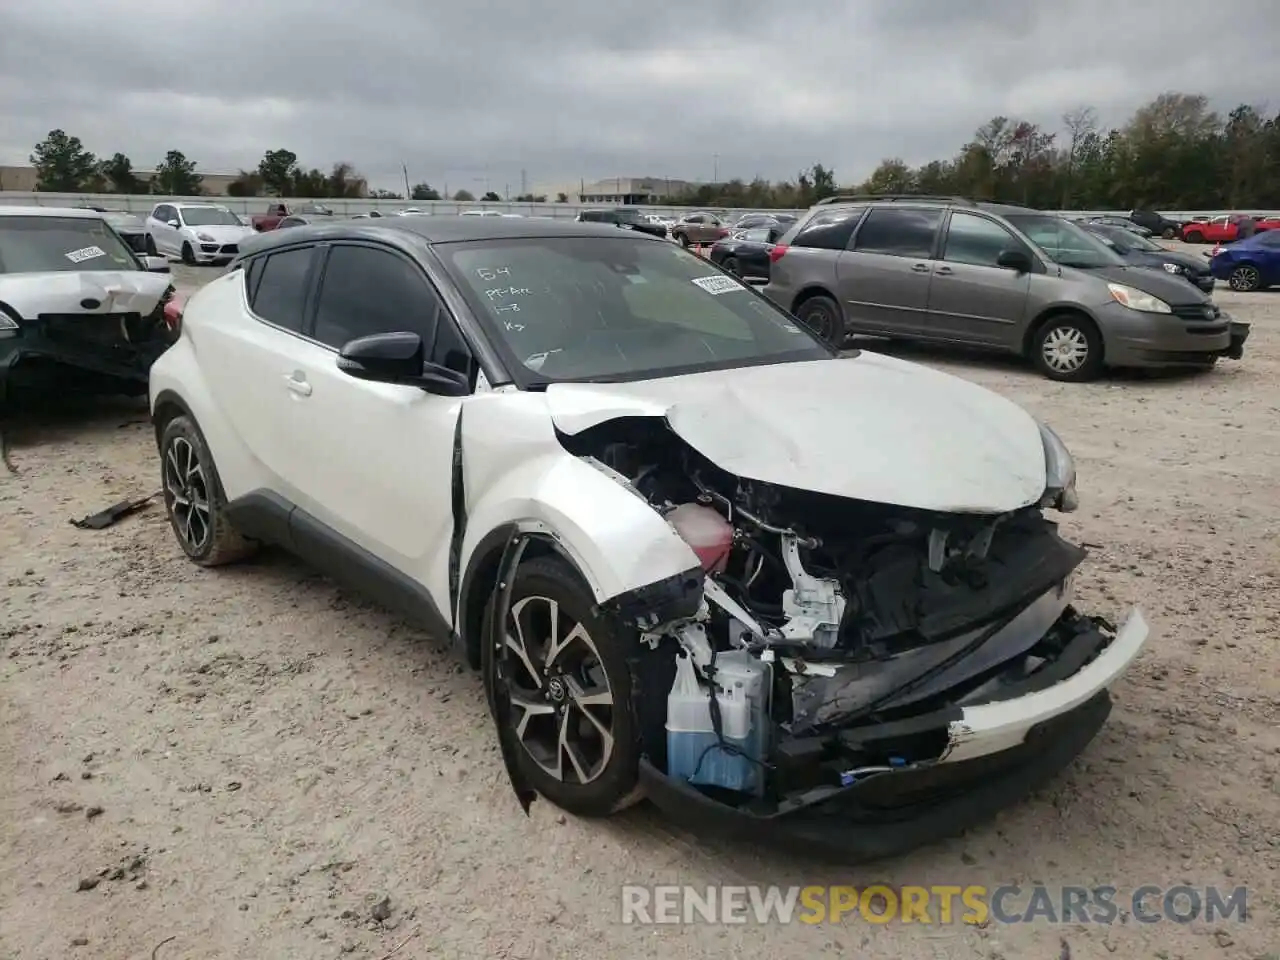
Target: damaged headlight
column 1059, row 471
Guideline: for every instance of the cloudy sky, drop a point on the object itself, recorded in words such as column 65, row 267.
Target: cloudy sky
column 472, row 91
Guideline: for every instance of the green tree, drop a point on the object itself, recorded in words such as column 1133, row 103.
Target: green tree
column 119, row 175
column 464, row 196
column 562, row 198
column 277, row 169
column 344, row 181
column 176, row 176
column 310, row 184
column 424, row 191
column 247, row 184
column 385, row 195
column 491, row 197
column 62, row 164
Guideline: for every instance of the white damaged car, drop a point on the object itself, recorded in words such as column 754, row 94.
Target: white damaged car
column 79, row 310
column 697, row 555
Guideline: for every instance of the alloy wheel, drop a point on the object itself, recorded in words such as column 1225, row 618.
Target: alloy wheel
column 1244, row 279
column 186, row 491
column 1065, row 349
column 561, row 699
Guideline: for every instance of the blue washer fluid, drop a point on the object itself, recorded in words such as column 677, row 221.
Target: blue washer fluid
column 694, row 753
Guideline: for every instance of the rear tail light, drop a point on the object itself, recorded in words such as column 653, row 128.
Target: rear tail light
column 778, row 251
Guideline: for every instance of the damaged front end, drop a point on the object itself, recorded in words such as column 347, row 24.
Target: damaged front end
column 862, row 676
column 94, row 333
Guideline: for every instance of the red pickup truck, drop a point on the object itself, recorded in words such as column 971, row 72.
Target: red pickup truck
column 278, row 211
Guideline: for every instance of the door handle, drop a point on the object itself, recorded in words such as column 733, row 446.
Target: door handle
column 944, row 271
column 920, row 268
column 298, row 386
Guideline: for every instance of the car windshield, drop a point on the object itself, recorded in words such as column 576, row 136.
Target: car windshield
column 1065, row 243
column 630, row 216
column 579, row 308
column 1136, row 242
column 60, row 245
column 209, row 217
column 757, row 234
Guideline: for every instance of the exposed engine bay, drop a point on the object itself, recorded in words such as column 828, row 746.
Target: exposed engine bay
column 824, row 618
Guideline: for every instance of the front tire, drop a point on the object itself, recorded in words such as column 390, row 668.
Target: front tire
column 683, row 240
column 194, row 500
column 188, row 255
column 1068, row 348
column 1245, row 278
column 731, row 265
column 822, row 315
column 1195, row 236
column 151, row 246
column 564, row 671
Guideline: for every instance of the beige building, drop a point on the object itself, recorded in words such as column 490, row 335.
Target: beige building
column 633, row 190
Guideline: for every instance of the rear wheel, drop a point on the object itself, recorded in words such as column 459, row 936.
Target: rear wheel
column 564, row 670
column 188, row 256
column 1068, row 348
column 822, row 315
column 1245, row 278
column 194, row 500
column 1167, row 233
column 731, row 265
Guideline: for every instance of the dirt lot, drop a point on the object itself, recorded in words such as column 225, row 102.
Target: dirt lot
column 244, row 763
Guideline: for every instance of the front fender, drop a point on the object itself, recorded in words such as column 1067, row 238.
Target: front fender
column 177, row 385
column 517, row 473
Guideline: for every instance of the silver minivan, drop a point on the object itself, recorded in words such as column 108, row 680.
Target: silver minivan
column 956, row 271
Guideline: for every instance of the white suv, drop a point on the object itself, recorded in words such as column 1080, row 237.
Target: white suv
column 695, row 552
column 195, row 232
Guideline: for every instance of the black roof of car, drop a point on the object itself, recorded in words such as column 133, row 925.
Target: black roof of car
column 436, row 229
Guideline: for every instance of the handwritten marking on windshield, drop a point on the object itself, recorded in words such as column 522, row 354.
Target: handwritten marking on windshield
column 492, row 273
column 508, row 292
column 718, row 285
column 85, row 253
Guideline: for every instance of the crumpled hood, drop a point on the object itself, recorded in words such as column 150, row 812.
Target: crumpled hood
column 117, row 291
column 223, row 232
column 868, row 427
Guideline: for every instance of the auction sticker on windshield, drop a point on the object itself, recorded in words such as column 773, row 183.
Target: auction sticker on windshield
column 85, row 253
column 718, row 285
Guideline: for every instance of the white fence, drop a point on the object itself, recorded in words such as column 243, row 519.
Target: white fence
column 252, row 205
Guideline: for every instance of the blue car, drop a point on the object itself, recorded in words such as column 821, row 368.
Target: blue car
column 1252, row 264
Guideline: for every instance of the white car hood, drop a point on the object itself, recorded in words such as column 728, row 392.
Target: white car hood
column 868, row 427
column 222, row 232
column 117, row 291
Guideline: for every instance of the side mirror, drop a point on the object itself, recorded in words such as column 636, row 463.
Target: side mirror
column 399, row 358
column 156, row 265
column 173, row 223
column 1017, row 260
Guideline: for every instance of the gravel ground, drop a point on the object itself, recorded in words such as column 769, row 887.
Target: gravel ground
column 247, row 763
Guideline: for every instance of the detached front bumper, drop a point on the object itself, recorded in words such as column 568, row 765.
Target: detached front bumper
column 997, row 752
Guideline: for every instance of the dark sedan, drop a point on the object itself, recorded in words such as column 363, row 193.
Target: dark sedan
column 745, row 253
column 1142, row 252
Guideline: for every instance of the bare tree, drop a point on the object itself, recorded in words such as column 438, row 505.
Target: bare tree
column 1079, row 123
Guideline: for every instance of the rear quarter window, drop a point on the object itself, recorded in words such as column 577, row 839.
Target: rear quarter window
column 829, row 230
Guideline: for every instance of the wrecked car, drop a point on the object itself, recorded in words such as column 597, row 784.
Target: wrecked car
column 696, row 554
column 79, row 310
